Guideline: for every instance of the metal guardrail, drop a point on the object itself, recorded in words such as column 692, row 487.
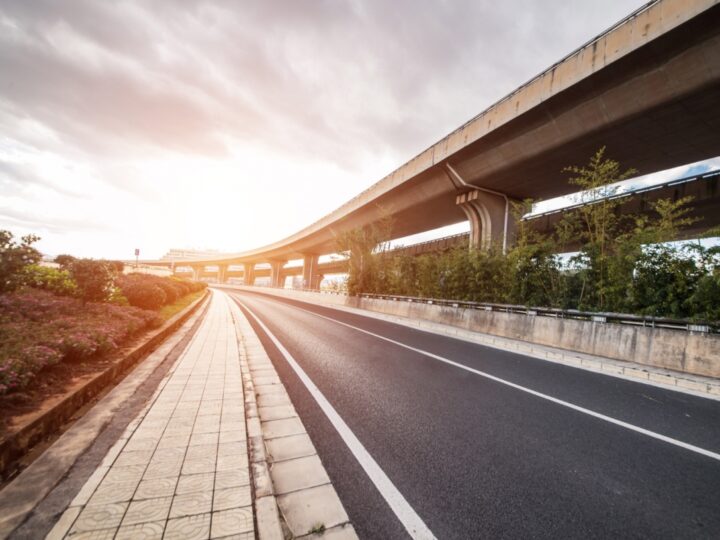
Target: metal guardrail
column 686, row 325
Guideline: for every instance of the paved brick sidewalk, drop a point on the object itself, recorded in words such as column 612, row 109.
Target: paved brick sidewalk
column 180, row 470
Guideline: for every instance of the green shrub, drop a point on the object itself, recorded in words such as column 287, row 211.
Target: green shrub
column 95, row 279
column 50, row 279
column 144, row 295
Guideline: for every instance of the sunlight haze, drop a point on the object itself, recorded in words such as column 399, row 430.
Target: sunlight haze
column 229, row 126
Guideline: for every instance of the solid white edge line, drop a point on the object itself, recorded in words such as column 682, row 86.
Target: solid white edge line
column 626, row 425
column 413, row 524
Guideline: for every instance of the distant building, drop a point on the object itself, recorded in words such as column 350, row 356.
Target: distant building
column 179, row 254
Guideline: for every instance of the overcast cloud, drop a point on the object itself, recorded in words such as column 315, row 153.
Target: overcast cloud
column 230, row 125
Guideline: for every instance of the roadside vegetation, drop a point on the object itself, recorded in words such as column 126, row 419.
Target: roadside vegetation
column 75, row 312
column 612, row 262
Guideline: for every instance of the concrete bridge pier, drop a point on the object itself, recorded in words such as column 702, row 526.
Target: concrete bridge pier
column 249, row 274
column 276, row 274
column 222, row 273
column 197, row 272
column 491, row 220
column 311, row 274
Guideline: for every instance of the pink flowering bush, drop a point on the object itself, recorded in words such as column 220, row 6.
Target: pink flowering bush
column 39, row 329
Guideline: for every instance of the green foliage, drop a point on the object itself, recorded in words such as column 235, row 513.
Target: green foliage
column 623, row 263
column 705, row 300
column 55, row 280
column 666, row 280
column 65, row 260
column 95, row 279
column 366, row 248
column 596, row 226
column 147, row 291
column 15, row 257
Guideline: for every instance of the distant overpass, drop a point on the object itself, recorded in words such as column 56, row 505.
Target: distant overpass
column 648, row 89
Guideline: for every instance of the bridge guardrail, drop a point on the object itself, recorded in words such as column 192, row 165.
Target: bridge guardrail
column 708, row 327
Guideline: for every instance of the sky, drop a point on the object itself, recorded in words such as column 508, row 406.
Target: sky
column 231, row 125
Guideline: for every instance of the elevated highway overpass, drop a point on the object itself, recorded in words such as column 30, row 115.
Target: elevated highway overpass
column 648, row 89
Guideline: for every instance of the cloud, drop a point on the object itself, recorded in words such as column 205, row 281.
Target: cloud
column 355, row 87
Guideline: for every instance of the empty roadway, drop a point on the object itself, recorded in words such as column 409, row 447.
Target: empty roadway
column 476, row 458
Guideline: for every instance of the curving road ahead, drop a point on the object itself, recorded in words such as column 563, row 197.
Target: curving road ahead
column 483, row 443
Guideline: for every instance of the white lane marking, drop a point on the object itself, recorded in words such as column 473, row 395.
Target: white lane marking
column 414, row 525
column 567, row 404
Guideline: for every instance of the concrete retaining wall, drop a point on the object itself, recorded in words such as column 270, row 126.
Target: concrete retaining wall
column 688, row 352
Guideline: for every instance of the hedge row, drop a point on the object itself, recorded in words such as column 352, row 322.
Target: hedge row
column 152, row 292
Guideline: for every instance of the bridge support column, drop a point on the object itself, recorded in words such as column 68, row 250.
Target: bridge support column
column 249, row 274
column 197, row 272
column 491, row 220
column 276, row 274
column 222, row 273
column 311, row 274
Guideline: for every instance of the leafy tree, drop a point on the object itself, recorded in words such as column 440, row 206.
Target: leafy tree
column 534, row 277
column 596, row 224
column 15, row 257
column 664, row 281
column 65, row 260
column 366, row 250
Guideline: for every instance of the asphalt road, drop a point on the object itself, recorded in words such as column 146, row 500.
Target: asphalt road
column 476, row 458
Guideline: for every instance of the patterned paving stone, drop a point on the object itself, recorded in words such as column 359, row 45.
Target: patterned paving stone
column 231, row 522
column 125, row 474
column 199, row 465
column 199, row 502
column 159, row 480
column 113, row 492
column 105, row 534
column 156, row 487
column 202, row 439
column 195, row 482
column 233, row 436
column 141, row 531
column 94, row 518
column 163, row 470
column 147, row 510
column 140, row 444
column 140, row 457
column 234, row 478
column 232, row 426
column 233, row 449
column 174, row 441
column 201, row 451
column 188, row 528
column 235, row 497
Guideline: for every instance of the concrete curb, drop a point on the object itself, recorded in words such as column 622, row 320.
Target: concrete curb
column 42, row 426
column 294, row 497
column 696, row 385
column 25, row 492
